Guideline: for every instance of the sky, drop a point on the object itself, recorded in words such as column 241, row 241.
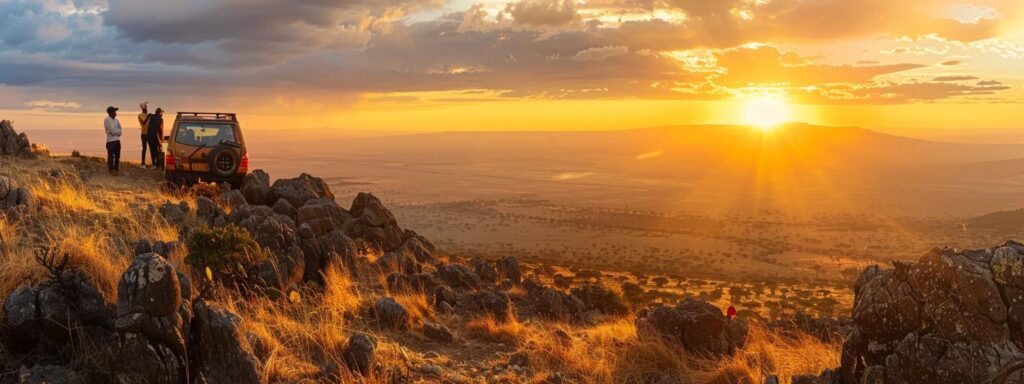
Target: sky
column 922, row 67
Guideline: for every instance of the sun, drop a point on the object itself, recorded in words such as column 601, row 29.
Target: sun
column 765, row 113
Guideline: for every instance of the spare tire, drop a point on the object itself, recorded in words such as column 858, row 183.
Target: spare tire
column 224, row 162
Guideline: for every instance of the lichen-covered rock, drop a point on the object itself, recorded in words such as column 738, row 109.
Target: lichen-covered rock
column 299, row 190
column 150, row 323
column 694, row 325
column 21, row 319
column 218, row 350
column 951, row 316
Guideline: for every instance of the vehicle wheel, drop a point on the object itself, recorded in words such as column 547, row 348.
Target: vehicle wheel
column 224, row 162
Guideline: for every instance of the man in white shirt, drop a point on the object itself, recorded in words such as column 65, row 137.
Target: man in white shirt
column 113, row 129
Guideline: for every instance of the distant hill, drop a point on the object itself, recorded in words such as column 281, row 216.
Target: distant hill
column 1002, row 220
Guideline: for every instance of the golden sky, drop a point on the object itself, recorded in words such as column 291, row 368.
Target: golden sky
column 423, row 65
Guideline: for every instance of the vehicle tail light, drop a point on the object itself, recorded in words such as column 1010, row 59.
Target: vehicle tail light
column 169, row 161
column 243, row 165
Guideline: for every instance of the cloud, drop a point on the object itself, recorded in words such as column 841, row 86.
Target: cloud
column 53, row 105
column 600, row 53
column 768, row 65
column 560, row 49
column 954, row 78
column 543, row 12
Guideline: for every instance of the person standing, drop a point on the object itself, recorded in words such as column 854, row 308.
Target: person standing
column 144, row 125
column 113, row 129
column 155, row 134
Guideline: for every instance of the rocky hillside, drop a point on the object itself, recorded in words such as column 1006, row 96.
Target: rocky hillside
column 120, row 279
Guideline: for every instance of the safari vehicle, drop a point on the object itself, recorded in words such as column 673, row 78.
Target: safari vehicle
column 205, row 146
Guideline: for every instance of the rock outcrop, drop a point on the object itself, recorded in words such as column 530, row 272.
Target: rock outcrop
column 14, row 144
column 694, row 326
column 950, row 317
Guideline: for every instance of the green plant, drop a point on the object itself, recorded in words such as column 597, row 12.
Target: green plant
column 225, row 254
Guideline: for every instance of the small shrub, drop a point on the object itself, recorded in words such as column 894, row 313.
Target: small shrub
column 225, row 254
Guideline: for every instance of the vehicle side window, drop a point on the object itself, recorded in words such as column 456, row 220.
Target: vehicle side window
column 204, row 134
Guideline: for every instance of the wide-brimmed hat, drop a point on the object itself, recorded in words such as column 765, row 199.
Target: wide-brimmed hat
column 111, row 109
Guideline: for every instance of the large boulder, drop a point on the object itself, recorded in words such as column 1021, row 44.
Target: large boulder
column 218, row 349
column 299, row 190
column 950, row 317
column 693, row 325
column 151, row 323
column 374, row 224
column 554, row 304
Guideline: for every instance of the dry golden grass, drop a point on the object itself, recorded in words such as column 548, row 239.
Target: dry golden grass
column 487, row 328
column 612, row 353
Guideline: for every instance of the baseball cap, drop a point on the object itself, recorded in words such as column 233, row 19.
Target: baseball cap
column 111, row 109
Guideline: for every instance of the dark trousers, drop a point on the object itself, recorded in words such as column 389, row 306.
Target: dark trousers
column 114, row 155
column 145, row 144
column 154, row 149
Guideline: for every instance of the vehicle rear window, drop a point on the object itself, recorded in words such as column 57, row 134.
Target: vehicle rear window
column 204, row 134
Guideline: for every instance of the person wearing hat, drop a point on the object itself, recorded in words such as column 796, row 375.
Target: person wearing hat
column 144, row 125
column 113, row 129
column 154, row 136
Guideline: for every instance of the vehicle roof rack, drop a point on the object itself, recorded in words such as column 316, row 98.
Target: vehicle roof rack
column 208, row 115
